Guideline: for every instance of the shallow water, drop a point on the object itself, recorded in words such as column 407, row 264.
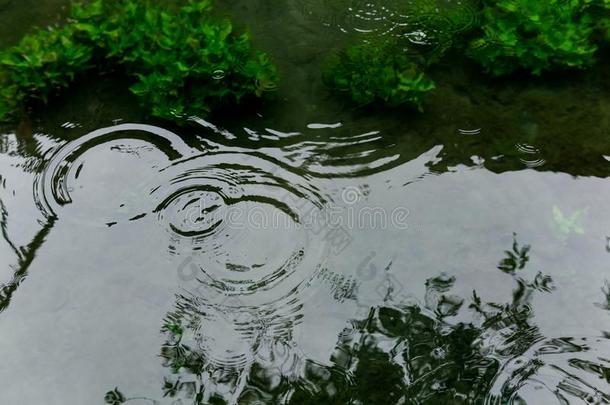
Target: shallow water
column 303, row 251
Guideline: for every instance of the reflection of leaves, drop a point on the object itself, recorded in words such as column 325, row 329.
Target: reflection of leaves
column 174, row 329
column 543, row 283
column 476, row 304
column 515, row 259
column 114, row 397
column 437, row 300
column 567, row 225
column 393, row 355
column 448, row 305
column 606, row 291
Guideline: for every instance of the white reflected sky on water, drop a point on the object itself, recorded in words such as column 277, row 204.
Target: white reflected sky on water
column 88, row 315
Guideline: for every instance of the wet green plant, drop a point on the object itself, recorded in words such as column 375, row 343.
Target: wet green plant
column 368, row 73
column 185, row 62
column 39, row 65
column 536, row 35
column 601, row 15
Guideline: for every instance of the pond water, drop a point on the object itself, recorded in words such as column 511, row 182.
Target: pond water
column 303, row 251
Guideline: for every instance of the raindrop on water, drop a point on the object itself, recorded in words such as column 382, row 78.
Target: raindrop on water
column 218, row 74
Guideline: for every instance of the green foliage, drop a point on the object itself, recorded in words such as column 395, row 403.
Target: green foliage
column 369, row 73
column 184, row 63
column 40, row 64
column 536, row 35
column 601, row 15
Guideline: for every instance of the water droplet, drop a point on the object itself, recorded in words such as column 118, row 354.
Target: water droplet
column 218, row 74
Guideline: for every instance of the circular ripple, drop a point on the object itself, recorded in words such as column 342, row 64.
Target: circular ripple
column 199, row 212
column 244, row 222
column 230, row 334
column 55, row 184
column 532, row 154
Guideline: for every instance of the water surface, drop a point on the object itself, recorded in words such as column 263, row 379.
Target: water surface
column 305, row 251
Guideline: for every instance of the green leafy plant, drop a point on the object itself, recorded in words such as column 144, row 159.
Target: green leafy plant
column 184, row 62
column 39, row 65
column 369, row 73
column 601, row 15
column 536, row 35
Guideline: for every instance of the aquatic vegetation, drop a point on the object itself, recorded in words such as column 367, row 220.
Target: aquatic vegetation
column 535, row 36
column 184, row 62
column 606, row 291
column 601, row 14
column 369, row 72
column 432, row 30
column 40, row 64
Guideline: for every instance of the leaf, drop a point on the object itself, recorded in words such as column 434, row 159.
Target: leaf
column 88, row 28
column 115, row 397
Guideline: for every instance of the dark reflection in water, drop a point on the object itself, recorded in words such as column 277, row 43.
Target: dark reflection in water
column 25, row 255
column 231, row 335
column 450, row 349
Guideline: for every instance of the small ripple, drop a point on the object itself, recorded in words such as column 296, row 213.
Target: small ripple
column 426, row 27
column 319, row 149
column 533, row 153
column 70, row 125
column 218, row 74
column 470, row 132
column 324, row 126
column 225, row 333
column 528, row 149
column 533, row 163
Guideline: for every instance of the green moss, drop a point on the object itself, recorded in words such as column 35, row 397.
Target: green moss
column 536, row 35
column 183, row 63
column 368, row 73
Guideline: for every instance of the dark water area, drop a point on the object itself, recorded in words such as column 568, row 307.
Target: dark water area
column 303, row 251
